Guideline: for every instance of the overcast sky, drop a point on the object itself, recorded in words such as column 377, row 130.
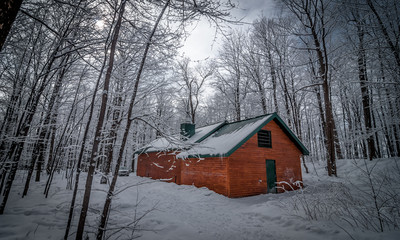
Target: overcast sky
column 200, row 44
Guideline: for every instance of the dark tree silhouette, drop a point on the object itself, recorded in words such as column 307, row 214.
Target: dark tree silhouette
column 8, row 12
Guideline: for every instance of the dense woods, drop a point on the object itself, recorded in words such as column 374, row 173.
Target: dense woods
column 84, row 84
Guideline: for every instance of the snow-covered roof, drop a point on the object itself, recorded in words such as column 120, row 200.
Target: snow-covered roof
column 227, row 138
column 202, row 132
column 220, row 139
column 175, row 142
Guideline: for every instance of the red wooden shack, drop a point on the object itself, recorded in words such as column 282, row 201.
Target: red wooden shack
column 237, row 159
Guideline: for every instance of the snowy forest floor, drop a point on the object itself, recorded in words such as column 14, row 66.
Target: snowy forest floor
column 159, row 210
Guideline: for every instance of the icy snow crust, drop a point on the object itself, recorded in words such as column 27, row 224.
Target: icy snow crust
column 180, row 212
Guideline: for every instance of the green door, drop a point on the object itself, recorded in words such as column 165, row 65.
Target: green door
column 271, row 176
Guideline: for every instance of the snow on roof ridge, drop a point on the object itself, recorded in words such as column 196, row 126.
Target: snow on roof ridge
column 208, row 125
column 225, row 139
column 164, row 143
column 247, row 119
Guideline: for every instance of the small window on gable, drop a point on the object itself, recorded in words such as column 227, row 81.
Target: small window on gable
column 264, row 139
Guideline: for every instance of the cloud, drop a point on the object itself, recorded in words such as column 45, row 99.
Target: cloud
column 251, row 9
column 202, row 42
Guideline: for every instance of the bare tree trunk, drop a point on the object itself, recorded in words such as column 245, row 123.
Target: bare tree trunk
column 192, row 110
column 106, row 209
column 24, row 127
column 51, row 148
column 3, row 178
column 395, row 136
column 94, row 154
column 321, row 51
column 80, row 157
column 11, row 116
column 39, row 149
column 116, row 115
column 237, row 100
column 287, row 98
column 84, row 140
column 312, row 16
column 273, row 79
column 262, row 97
column 51, row 114
column 393, row 46
column 362, row 75
column 30, row 110
column 375, row 135
column 317, row 91
column 8, row 13
column 53, row 130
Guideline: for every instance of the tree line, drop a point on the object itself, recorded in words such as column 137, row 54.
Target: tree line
column 329, row 68
column 84, row 84
column 77, row 77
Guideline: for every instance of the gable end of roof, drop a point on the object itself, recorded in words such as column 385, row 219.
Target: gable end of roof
column 291, row 135
column 282, row 125
column 251, row 134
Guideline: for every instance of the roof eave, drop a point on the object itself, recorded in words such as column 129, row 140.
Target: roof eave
column 156, row 151
column 204, row 156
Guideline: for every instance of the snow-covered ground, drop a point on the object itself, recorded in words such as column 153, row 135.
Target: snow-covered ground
column 170, row 211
